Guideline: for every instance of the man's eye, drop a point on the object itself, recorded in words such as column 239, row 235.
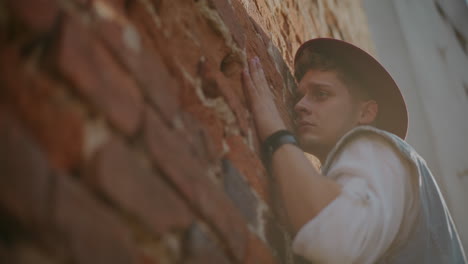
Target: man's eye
column 321, row 94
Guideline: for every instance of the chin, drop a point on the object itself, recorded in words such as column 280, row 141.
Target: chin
column 309, row 142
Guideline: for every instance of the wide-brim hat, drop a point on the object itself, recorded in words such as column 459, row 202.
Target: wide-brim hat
column 392, row 115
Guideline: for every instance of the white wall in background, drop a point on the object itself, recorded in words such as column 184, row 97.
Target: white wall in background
column 422, row 45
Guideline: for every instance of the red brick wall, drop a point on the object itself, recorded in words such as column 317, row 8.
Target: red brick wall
column 125, row 135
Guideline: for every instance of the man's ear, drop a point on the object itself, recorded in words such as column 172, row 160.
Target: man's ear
column 369, row 112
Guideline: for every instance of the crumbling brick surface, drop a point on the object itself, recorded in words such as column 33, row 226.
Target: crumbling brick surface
column 289, row 23
column 125, row 136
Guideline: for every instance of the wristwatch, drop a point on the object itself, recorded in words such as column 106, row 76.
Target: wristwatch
column 274, row 141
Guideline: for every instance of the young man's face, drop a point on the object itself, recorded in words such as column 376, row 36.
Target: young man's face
column 325, row 111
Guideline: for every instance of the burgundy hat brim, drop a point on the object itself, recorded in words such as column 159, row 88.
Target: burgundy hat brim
column 393, row 114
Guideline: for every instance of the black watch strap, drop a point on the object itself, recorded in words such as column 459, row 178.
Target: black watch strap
column 274, row 141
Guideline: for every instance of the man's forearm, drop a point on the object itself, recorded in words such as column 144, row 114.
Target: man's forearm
column 304, row 190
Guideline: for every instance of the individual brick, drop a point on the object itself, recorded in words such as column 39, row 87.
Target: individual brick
column 43, row 106
column 199, row 141
column 5, row 254
column 24, row 176
column 207, row 118
column 145, row 16
column 133, row 50
column 249, row 165
column 240, row 193
column 119, row 5
column 38, row 15
column 226, row 86
column 170, row 152
column 201, row 248
column 92, row 233
column 227, row 14
column 98, row 77
column 131, row 185
column 258, row 252
column 27, row 253
column 184, row 36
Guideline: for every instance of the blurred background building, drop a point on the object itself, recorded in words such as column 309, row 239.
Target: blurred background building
column 424, row 46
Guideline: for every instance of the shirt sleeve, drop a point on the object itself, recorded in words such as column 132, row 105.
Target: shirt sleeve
column 362, row 222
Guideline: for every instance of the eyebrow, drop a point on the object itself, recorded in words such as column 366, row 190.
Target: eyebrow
column 312, row 84
column 318, row 83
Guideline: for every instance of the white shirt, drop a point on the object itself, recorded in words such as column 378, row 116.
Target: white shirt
column 375, row 211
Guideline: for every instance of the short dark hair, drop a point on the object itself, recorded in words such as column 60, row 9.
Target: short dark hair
column 323, row 61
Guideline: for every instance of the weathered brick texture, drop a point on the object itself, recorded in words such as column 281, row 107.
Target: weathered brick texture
column 125, row 136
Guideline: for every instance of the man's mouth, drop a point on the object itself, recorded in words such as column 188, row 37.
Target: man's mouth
column 303, row 123
column 305, row 126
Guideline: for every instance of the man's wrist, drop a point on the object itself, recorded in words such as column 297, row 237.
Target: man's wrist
column 270, row 129
column 275, row 141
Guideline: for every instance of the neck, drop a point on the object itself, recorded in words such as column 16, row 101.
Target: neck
column 320, row 154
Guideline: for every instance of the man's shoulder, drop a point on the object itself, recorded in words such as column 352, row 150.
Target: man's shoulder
column 365, row 139
column 370, row 132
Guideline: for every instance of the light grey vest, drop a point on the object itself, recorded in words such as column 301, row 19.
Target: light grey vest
column 435, row 239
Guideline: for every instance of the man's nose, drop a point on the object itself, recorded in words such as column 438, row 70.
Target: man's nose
column 302, row 107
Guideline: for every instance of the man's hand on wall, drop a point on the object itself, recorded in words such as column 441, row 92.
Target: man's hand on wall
column 266, row 116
